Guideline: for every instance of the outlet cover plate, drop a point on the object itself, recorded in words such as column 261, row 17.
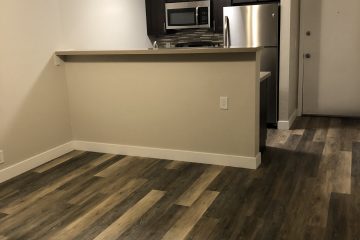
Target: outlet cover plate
column 224, row 103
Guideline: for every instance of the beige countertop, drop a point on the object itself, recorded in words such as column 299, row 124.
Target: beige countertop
column 264, row 75
column 162, row 51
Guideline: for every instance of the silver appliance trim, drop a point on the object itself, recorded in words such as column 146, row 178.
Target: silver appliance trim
column 226, row 32
column 181, row 5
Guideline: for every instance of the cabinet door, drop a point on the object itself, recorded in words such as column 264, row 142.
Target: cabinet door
column 218, row 15
column 155, row 17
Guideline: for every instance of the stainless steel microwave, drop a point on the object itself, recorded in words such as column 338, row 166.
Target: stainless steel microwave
column 183, row 15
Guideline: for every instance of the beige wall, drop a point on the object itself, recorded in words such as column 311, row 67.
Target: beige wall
column 121, row 24
column 169, row 102
column 33, row 98
column 34, row 103
column 104, row 24
column 289, row 58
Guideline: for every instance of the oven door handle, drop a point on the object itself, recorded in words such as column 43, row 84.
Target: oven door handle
column 197, row 15
column 226, row 32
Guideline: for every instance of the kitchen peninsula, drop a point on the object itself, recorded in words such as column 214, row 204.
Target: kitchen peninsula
column 166, row 104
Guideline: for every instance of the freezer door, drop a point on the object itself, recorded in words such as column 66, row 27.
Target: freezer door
column 269, row 63
column 253, row 25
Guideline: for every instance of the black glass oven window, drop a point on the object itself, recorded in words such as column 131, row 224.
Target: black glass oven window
column 182, row 17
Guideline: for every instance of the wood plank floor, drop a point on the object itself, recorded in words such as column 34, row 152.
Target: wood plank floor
column 308, row 187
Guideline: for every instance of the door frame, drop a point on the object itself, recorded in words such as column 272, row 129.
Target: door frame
column 301, row 61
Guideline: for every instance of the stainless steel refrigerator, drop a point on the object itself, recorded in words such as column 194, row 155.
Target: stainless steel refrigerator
column 253, row 26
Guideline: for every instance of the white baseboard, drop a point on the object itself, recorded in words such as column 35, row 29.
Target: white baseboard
column 171, row 154
column 166, row 154
column 35, row 161
column 286, row 125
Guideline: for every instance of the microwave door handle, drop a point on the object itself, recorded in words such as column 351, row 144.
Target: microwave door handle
column 226, row 32
column 197, row 15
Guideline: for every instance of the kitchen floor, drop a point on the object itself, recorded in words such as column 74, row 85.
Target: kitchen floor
column 308, row 187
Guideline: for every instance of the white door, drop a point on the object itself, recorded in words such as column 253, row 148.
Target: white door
column 330, row 47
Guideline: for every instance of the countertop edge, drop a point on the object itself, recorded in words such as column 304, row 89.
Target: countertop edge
column 182, row 51
column 264, row 75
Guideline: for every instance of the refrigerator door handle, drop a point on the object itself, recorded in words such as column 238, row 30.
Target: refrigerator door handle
column 226, row 32
column 197, row 15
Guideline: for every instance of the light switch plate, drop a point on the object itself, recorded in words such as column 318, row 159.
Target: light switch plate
column 2, row 160
column 224, row 102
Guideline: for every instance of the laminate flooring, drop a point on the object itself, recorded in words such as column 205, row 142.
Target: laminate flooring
column 308, row 187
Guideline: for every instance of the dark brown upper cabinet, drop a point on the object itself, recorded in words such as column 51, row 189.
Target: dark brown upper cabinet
column 155, row 17
column 218, row 14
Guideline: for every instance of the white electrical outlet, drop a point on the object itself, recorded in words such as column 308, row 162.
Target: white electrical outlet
column 2, row 160
column 224, row 102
